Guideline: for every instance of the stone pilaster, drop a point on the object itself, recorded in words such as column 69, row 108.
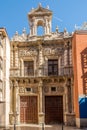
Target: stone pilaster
column 11, row 118
column 22, row 67
column 40, row 61
column 69, row 115
column 16, row 56
column 65, row 57
column 11, row 97
column 41, row 114
column 11, row 56
column 67, row 108
column 15, row 95
column 59, row 65
column 70, row 55
column 16, row 101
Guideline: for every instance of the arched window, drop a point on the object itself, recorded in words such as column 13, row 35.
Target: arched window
column 40, row 31
column 40, row 28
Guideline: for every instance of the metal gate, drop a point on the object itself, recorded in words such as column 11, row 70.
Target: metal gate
column 28, row 109
column 53, row 109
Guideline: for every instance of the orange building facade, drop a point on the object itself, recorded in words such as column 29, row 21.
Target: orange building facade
column 79, row 49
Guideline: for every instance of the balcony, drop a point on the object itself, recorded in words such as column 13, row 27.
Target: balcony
column 41, row 73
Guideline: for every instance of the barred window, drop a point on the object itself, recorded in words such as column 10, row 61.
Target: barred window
column 28, row 68
column 53, row 67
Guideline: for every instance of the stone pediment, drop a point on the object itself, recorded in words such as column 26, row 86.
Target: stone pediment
column 40, row 10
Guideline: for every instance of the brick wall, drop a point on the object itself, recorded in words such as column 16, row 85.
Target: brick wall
column 79, row 44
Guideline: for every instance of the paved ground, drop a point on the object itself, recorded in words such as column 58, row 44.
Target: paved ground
column 46, row 127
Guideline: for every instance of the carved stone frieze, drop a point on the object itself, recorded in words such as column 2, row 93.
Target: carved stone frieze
column 28, row 52
column 47, row 80
column 53, row 51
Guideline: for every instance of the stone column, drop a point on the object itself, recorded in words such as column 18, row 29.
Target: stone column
column 16, row 101
column 65, row 57
column 70, row 55
column 69, row 115
column 59, row 65
column 11, row 56
column 11, row 96
column 15, row 95
column 41, row 114
column 16, row 56
column 35, row 30
column 22, row 67
column 11, row 119
column 46, row 66
column 44, row 29
column 40, row 61
column 67, row 108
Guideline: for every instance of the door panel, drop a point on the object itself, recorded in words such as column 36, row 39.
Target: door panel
column 53, row 109
column 28, row 109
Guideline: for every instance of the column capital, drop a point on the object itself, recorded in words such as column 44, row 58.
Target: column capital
column 16, row 84
column 11, row 83
column 40, row 83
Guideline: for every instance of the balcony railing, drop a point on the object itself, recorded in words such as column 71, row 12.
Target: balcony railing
column 61, row 72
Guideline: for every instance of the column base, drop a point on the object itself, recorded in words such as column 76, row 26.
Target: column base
column 81, row 122
column 69, row 119
column 41, row 117
column 12, row 119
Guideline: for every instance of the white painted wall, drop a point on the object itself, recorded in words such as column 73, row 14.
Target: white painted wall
column 7, row 85
column 5, row 107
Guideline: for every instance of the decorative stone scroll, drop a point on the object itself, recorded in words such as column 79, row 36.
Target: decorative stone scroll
column 28, row 52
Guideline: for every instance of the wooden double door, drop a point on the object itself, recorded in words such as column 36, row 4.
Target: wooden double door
column 28, row 109
column 53, row 109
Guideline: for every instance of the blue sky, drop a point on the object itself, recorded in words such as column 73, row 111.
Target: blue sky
column 66, row 13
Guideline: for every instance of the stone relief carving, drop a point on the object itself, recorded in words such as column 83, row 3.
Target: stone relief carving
column 46, row 89
column 35, row 89
column 28, row 52
column 60, row 89
column 70, row 120
column 53, row 51
column 11, row 119
column 21, row 90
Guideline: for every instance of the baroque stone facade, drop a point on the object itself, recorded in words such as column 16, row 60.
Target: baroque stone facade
column 41, row 73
